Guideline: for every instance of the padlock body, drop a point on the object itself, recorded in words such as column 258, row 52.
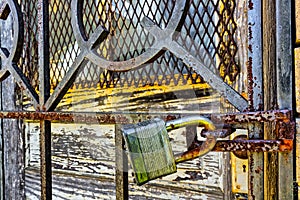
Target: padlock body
column 149, row 150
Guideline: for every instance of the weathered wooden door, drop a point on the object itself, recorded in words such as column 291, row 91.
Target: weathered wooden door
column 74, row 71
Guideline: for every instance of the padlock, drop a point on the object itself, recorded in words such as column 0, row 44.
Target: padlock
column 150, row 151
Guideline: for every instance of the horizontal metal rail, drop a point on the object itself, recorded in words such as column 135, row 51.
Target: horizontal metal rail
column 284, row 145
column 279, row 116
column 124, row 117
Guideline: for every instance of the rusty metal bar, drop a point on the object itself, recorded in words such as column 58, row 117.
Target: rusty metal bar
column 45, row 154
column 256, row 116
column 254, row 145
column 44, row 88
column 120, row 117
column 254, row 65
column 89, row 118
column 256, row 165
column 121, row 166
column 255, row 98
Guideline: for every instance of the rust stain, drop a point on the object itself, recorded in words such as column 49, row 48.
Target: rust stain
column 249, row 145
column 282, row 116
column 68, row 117
column 286, row 145
column 251, row 183
column 285, row 127
column 258, row 170
column 250, row 5
column 286, row 130
column 247, row 117
column 250, row 82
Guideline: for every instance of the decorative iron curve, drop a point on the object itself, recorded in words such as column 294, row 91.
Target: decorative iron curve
column 10, row 59
column 163, row 39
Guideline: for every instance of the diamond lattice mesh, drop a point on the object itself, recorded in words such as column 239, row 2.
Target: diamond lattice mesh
column 209, row 26
column 63, row 48
column 29, row 58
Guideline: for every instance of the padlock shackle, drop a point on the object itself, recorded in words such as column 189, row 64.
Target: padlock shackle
column 190, row 120
column 206, row 147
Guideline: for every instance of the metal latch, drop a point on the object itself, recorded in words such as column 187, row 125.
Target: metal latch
column 151, row 154
column 149, row 147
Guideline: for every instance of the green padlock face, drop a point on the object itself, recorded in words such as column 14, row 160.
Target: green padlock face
column 149, row 150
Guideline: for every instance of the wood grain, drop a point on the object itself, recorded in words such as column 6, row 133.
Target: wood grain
column 83, row 156
column 12, row 142
column 270, row 94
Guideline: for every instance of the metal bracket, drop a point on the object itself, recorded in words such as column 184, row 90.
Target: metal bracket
column 284, row 129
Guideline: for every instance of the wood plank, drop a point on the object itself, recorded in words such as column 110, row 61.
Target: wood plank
column 70, row 186
column 13, row 141
column 285, row 87
column 88, row 151
column 12, row 138
column 176, row 98
column 270, row 89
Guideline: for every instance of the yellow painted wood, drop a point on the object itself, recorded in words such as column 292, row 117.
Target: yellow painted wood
column 297, row 78
column 298, row 152
column 240, row 168
column 297, row 10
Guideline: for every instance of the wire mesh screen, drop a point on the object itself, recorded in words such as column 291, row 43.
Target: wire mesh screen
column 209, row 26
column 29, row 59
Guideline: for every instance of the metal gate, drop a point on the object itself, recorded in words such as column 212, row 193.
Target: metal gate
column 61, row 46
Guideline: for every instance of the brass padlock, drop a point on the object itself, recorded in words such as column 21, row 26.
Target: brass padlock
column 150, row 151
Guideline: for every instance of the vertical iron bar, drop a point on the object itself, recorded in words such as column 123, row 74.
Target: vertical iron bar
column 121, row 177
column 44, row 87
column 255, row 81
column 256, row 166
column 255, row 55
column 285, row 80
column 121, row 166
column 45, row 153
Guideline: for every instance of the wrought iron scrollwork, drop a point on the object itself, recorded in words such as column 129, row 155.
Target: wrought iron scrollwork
column 88, row 50
column 163, row 39
column 10, row 58
column 173, row 26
